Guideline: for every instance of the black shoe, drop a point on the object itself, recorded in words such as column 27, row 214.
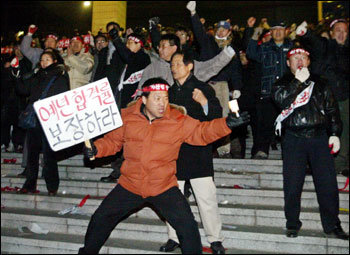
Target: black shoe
column 52, row 193
column 339, row 233
column 109, row 179
column 217, row 248
column 345, row 172
column 169, row 246
column 292, row 233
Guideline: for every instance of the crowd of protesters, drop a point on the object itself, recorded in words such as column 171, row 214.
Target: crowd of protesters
column 216, row 63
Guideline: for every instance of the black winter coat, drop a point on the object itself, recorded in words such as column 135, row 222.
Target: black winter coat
column 331, row 61
column 135, row 62
column 232, row 72
column 35, row 85
column 195, row 161
column 320, row 114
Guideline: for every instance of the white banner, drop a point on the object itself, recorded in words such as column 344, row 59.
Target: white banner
column 77, row 115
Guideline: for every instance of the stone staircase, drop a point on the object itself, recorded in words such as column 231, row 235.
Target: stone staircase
column 250, row 200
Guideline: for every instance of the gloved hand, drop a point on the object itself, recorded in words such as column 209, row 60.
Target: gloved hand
column 301, row 29
column 32, row 29
column 153, row 22
column 114, row 33
column 90, row 152
column 232, row 121
column 257, row 32
column 236, row 94
column 230, row 51
column 191, row 6
column 15, row 67
column 302, row 74
column 334, row 143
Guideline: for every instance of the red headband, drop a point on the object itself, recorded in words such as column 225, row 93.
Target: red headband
column 297, row 51
column 336, row 21
column 153, row 87
column 78, row 39
column 135, row 39
column 52, row 36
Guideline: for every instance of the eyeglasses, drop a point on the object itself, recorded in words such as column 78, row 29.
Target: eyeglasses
column 102, row 41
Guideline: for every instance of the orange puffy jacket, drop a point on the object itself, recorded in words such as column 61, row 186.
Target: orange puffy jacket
column 151, row 148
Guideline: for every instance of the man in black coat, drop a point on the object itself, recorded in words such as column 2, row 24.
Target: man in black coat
column 309, row 115
column 331, row 60
column 124, row 73
column 195, row 163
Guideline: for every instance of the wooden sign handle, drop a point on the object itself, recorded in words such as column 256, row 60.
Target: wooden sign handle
column 88, row 145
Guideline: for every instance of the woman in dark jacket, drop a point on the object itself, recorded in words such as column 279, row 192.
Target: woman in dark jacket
column 34, row 86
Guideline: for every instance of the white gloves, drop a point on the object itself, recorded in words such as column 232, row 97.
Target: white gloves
column 32, row 29
column 236, row 94
column 229, row 51
column 302, row 74
column 191, row 6
column 301, row 29
column 15, row 62
column 334, row 143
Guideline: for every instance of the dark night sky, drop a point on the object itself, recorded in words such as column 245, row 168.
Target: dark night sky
column 63, row 16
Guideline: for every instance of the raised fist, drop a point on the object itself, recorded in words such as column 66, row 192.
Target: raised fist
column 191, row 6
column 302, row 74
column 32, row 29
column 153, row 22
column 236, row 94
column 15, row 62
column 251, row 21
column 301, row 29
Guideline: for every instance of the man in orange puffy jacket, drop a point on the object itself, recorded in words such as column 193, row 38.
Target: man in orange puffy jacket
column 151, row 136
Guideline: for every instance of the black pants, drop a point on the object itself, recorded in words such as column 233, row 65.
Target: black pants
column 266, row 114
column 9, row 117
column 120, row 202
column 296, row 153
column 37, row 141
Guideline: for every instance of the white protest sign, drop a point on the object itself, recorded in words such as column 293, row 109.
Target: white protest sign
column 77, row 115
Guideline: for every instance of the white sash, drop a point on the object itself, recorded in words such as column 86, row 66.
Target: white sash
column 302, row 99
column 133, row 78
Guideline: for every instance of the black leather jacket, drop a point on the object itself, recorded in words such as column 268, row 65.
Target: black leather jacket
column 320, row 114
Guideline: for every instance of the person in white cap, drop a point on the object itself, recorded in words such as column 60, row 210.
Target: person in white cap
column 310, row 125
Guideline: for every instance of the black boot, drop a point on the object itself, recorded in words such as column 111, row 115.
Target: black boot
column 170, row 245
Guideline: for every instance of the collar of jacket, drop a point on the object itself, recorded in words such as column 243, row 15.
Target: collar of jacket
column 188, row 78
column 138, row 110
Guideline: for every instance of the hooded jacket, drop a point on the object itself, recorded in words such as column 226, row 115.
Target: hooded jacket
column 151, row 148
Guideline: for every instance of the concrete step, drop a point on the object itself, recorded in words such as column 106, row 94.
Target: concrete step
column 224, row 164
column 242, row 214
column 226, row 194
column 270, row 239
column 222, row 178
column 15, row 242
